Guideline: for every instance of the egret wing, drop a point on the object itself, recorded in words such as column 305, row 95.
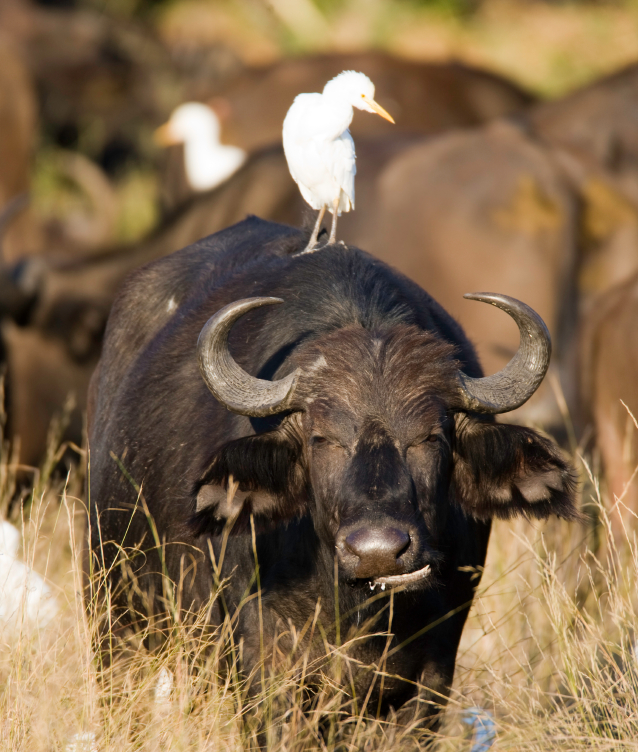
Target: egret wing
column 304, row 111
column 299, row 146
column 343, row 167
column 322, row 166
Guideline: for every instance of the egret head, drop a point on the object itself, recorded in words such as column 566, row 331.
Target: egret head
column 189, row 121
column 358, row 90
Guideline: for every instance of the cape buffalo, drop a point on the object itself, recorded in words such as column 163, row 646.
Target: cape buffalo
column 593, row 132
column 609, row 394
column 365, row 448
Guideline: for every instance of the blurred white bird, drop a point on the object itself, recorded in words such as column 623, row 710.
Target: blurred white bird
column 24, row 595
column 207, row 161
column 319, row 148
column 85, row 741
column 163, row 689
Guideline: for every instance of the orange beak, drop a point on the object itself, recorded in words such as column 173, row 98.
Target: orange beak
column 377, row 108
column 164, row 136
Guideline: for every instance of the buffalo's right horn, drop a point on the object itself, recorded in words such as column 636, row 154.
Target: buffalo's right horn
column 233, row 387
column 513, row 385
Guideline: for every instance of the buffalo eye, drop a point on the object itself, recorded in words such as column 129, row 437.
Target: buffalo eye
column 432, row 438
column 321, row 441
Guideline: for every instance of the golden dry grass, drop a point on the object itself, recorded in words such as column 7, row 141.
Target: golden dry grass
column 549, row 649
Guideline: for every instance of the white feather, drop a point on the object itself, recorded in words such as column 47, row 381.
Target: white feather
column 24, row 595
column 207, row 162
column 318, row 145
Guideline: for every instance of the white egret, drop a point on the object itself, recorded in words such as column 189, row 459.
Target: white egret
column 207, row 161
column 319, row 148
column 24, row 595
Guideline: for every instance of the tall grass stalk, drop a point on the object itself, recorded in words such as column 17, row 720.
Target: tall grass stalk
column 550, row 650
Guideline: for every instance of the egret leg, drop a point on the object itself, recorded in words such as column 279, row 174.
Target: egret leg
column 315, row 233
column 333, row 230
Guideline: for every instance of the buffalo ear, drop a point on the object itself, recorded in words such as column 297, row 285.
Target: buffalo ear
column 256, row 475
column 218, row 506
column 503, row 470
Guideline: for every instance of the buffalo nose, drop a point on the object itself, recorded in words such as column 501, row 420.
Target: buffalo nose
column 378, row 550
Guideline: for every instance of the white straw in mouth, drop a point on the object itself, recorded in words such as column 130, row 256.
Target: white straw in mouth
column 403, row 579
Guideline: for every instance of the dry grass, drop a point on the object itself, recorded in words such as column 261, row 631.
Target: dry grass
column 549, row 650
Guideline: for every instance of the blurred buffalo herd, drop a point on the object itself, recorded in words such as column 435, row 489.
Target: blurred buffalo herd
column 478, row 187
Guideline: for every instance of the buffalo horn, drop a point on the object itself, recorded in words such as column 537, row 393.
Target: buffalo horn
column 513, row 385
column 233, row 387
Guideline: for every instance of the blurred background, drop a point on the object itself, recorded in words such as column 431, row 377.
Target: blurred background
column 512, row 167
column 104, row 73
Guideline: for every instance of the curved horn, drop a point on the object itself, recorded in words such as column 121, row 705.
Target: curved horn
column 513, row 385
column 233, row 387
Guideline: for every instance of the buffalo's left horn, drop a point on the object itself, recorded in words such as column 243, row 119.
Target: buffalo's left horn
column 233, row 387
column 513, row 385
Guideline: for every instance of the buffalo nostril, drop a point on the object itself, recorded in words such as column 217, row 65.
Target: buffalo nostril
column 377, row 549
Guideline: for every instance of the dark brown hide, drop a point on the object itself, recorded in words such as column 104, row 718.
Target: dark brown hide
column 608, row 367
column 17, row 141
column 373, row 465
column 597, row 124
column 594, row 133
column 41, row 377
column 426, row 98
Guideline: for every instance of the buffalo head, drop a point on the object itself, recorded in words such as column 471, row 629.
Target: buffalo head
column 381, row 437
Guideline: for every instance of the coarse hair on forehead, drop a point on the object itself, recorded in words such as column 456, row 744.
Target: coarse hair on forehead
column 403, row 362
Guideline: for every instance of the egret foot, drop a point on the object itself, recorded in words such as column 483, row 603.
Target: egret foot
column 315, row 233
column 333, row 230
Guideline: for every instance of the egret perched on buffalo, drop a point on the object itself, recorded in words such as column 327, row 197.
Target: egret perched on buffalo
column 319, row 148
